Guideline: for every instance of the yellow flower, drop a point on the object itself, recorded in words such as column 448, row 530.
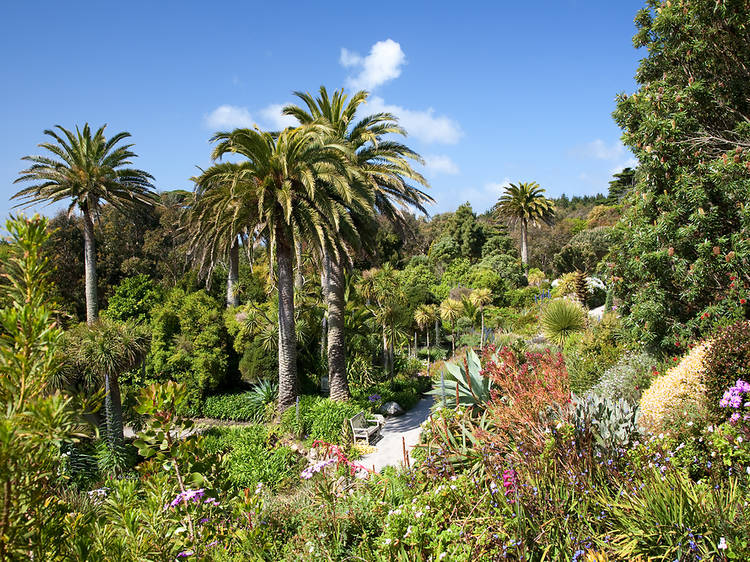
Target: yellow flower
column 683, row 381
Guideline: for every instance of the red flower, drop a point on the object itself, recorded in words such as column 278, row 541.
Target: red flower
column 677, row 343
column 742, row 301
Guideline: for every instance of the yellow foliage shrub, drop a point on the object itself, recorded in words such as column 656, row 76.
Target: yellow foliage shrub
column 682, row 383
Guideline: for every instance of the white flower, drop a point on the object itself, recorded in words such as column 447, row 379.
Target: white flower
column 387, row 541
column 408, row 531
column 739, row 439
column 722, row 544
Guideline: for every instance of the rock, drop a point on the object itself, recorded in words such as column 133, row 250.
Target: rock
column 391, row 409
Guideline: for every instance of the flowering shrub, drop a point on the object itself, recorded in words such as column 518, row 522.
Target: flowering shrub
column 727, row 360
column 680, row 386
column 628, row 378
column 525, row 387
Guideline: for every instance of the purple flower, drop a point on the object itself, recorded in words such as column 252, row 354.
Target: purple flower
column 374, row 398
column 185, row 554
column 310, row 471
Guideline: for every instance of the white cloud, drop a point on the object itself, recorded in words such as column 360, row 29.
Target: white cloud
column 273, row 117
column 228, row 117
column 600, row 150
column 422, row 124
column 440, row 164
column 629, row 163
column 481, row 198
column 381, row 65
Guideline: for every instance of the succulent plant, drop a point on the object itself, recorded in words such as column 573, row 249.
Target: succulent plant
column 613, row 422
column 464, row 383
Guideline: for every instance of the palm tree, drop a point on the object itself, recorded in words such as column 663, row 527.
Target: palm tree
column 383, row 167
column 525, row 204
column 424, row 316
column 88, row 169
column 292, row 175
column 481, row 298
column 222, row 215
column 385, row 298
column 97, row 354
column 450, row 311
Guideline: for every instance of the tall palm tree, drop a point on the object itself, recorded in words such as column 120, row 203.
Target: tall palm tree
column 450, row 311
column 481, row 298
column 525, row 204
column 424, row 316
column 383, row 167
column 88, row 170
column 292, row 175
column 221, row 215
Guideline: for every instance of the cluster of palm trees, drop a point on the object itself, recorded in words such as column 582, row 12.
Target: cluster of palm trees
column 319, row 184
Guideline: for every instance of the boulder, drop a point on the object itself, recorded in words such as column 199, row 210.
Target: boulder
column 391, row 409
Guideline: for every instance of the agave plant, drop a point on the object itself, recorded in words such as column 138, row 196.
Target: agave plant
column 561, row 319
column 465, row 383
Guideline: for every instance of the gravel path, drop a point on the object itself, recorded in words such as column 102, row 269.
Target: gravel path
column 390, row 450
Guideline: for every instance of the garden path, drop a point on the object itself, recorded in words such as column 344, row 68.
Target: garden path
column 390, row 446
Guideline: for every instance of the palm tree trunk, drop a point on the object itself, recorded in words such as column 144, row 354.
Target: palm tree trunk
column 113, row 411
column 324, row 270
column 453, row 341
column 391, row 352
column 429, row 355
column 336, row 336
column 89, row 260
column 386, row 356
column 437, row 331
column 524, row 244
column 287, row 335
column 298, row 279
column 233, row 277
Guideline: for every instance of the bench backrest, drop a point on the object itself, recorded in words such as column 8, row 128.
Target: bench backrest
column 359, row 421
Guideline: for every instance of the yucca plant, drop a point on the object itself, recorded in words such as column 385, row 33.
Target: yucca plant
column 262, row 395
column 464, row 383
column 561, row 319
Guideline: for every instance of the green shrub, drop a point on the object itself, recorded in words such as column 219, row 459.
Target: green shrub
column 297, row 419
column 590, row 353
column 251, row 463
column 319, row 418
column 133, row 298
column 562, row 318
column 727, row 359
column 251, row 457
column 218, row 440
column 235, row 407
column 328, row 420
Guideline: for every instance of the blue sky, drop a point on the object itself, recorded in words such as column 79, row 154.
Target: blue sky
column 490, row 92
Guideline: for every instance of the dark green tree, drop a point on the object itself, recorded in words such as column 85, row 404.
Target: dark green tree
column 683, row 246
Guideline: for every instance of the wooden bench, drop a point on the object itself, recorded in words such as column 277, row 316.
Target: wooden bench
column 364, row 427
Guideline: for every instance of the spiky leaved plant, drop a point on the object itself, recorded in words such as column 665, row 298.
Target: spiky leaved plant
column 562, row 318
column 465, row 384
